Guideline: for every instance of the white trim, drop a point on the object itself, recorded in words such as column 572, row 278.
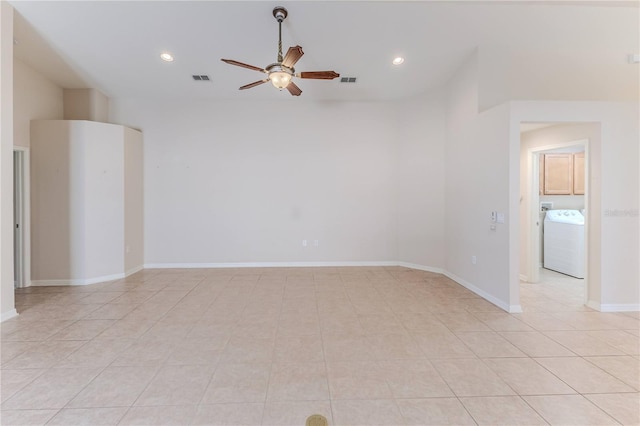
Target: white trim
column 265, row 265
column 524, row 278
column 613, row 307
column 593, row 305
column 53, row 283
column 96, row 280
column 26, row 214
column 515, row 309
column 421, row 267
column 625, row 307
column 8, row 315
column 133, row 270
column 499, row 303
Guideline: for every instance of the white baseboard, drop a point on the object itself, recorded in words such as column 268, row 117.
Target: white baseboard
column 524, row 278
column 593, row 305
column 612, row 307
column 628, row 307
column 515, row 309
column 133, row 270
column 8, row 315
column 264, row 265
column 420, row 267
column 76, row 282
column 484, row 294
column 88, row 281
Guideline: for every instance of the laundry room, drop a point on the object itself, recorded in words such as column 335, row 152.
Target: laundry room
column 561, row 188
column 561, row 202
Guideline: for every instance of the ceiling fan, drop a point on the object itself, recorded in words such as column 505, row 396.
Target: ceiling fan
column 281, row 72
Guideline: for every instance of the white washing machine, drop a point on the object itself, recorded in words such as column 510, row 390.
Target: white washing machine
column 564, row 250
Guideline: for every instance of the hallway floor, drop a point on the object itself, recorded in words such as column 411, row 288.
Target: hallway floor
column 272, row 346
column 553, row 292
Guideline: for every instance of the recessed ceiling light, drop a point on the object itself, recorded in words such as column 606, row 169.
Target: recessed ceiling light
column 167, row 57
column 399, row 60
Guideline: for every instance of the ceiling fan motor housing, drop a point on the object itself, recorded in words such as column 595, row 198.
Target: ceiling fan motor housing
column 277, row 67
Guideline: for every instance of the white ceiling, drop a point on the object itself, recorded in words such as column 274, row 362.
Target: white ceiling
column 115, row 45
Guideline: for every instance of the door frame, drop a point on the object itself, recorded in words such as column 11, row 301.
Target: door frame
column 22, row 223
column 533, row 213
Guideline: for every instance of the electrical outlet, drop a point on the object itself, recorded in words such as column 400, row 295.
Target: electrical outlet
column 474, row 259
column 304, row 243
column 316, row 243
column 494, row 216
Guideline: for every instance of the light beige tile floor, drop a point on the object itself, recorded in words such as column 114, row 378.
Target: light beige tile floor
column 272, row 346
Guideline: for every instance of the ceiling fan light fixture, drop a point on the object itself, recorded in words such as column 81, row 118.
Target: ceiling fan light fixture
column 280, row 79
column 279, row 75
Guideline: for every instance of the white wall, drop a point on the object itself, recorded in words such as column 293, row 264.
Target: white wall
column 78, row 202
column 86, row 104
column 508, row 73
column 240, row 182
column 420, row 196
column 133, row 201
column 103, row 197
column 53, row 182
column 6, row 162
column 477, row 183
column 614, row 187
column 247, row 182
column 35, row 98
column 571, row 202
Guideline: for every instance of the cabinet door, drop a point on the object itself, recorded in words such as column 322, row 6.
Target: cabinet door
column 578, row 173
column 541, row 175
column 558, row 174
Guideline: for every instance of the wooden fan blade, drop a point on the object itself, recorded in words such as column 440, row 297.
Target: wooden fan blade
column 240, row 64
column 293, row 89
column 320, row 75
column 254, row 84
column 293, row 55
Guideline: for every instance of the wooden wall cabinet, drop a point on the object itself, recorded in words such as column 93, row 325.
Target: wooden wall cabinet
column 578, row 173
column 562, row 174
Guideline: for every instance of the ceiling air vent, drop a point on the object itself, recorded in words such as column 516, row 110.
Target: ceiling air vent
column 348, row 80
column 201, row 77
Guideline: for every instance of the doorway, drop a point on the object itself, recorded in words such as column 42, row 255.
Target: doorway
column 546, row 289
column 21, row 214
